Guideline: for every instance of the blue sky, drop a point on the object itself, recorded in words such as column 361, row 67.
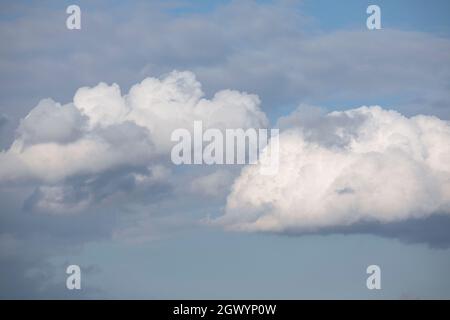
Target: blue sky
column 410, row 15
column 153, row 242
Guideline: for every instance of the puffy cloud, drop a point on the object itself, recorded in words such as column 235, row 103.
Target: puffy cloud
column 103, row 104
column 50, row 122
column 52, row 162
column 176, row 101
column 344, row 168
column 103, row 129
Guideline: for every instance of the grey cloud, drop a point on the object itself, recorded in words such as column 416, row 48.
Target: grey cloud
column 29, row 237
column 432, row 231
column 266, row 55
column 3, row 120
column 51, row 122
column 320, row 128
column 119, row 187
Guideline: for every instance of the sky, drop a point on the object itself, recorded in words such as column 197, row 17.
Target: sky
column 86, row 176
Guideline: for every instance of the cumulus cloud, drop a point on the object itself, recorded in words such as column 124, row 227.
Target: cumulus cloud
column 105, row 145
column 346, row 168
column 103, row 129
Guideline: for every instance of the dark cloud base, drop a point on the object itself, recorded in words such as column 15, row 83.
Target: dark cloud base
column 433, row 231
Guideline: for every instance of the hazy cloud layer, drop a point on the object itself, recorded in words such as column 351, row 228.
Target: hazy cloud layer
column 278, row 54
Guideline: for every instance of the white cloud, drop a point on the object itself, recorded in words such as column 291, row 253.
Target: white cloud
column 102, row 104
column 177, row 100
column 356, row 166
column 102, row 129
